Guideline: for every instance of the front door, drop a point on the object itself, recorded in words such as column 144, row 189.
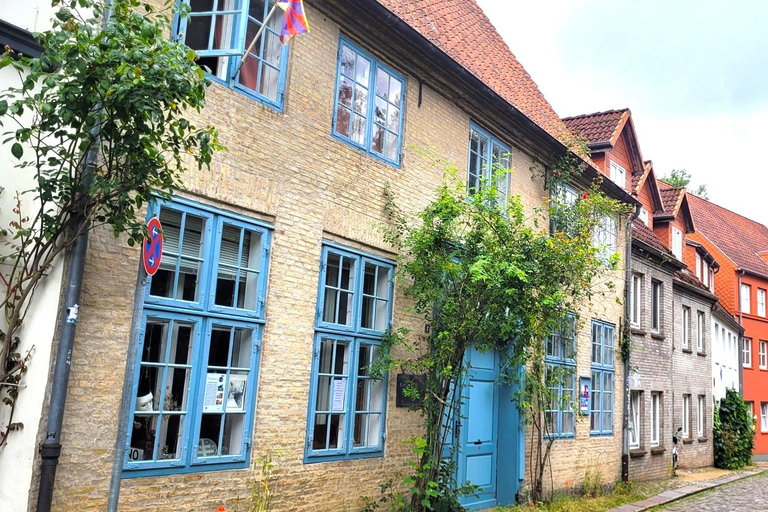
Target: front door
column 478, row 429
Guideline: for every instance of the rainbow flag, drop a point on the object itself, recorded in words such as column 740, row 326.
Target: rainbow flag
column 295, row 21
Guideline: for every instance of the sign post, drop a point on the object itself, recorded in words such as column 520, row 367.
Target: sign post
column 152, row 251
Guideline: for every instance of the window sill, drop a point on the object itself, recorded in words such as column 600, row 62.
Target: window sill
column 687, row 351
column 658, row 335
column 687, row 441
column 702, row 354
column 658, row 450
column 638, row 331
column 637, row 452
column 702, row 439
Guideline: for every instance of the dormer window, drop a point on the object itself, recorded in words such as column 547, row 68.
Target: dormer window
column 677, row 243
column 619, row 176
column 643, row 216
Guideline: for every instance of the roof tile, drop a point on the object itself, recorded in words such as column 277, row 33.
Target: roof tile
column 671, row 196
column 597, row 127
column 644, row 234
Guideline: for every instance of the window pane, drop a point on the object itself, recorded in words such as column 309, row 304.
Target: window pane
column 343, row 120
column 339, row 283
column 238, row 269
column 177, row 277
column 377, row 139
column 232, row 442
column 210, row 432
column 395, row 91
column 391, row 146
column 358, row 128
column 347, row 62
column 380, row 111
column 362, row 71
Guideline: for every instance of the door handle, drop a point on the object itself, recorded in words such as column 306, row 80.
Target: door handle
column 478, row 442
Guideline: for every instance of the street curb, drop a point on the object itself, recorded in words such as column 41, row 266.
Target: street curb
column 671, row 496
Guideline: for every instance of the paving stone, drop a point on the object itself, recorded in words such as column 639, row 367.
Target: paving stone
column 748, row 494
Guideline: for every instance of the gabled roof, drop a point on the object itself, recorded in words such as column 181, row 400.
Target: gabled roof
column 675, row 201
column 642, row 233
column 649, row 177
column 599, row 127
column 739, row 238
column 461, row 30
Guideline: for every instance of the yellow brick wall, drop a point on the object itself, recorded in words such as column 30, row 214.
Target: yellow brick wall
column 287, row 169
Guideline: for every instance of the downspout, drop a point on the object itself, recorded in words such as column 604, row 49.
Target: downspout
column 627, row 336
column 740, row 365
column 50, row 451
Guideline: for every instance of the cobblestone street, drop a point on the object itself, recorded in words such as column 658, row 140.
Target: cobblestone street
column 750, row 494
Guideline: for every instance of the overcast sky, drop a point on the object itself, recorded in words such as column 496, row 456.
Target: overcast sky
column 694, row 74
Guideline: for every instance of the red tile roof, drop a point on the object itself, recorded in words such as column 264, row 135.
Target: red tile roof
column 671, row 196
column 461, row 30
column 643, row 233
column 688, row 277
column 597, row 127
column 739, row 238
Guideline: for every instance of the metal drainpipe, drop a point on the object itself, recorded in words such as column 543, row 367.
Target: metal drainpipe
column 627, row 334
column 50, row 451
column 741, row 339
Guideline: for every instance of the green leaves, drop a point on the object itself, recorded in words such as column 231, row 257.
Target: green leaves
column 17, row 150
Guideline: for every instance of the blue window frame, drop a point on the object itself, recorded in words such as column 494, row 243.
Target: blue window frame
column 601, row 408
column 560, row 362
column 196, row 377
column 368, row 106
column 221, row 30
column 347, row 407
column 487, row 155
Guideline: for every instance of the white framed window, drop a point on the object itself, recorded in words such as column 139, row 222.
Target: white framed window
column 677, row 243
column 604, row 238
column 686, row 330
column 637, row 299
column 751, row 408
column 618, row 175
column 701, row 409
column 634, row 419
column 698, row 266
column 644, row 216
column 761, row 302
column 655, row 306
column 705, row 274
column 746, row 353
column 700, row 319
column 763, row 416
column 762, row 353
column 711, row 280
column 655, row 418
column 746, row 290
column 686, row 416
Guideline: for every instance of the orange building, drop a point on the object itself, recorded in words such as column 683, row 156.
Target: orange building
column 740, row 245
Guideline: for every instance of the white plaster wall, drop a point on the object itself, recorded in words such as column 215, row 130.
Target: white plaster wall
column 16, row 458
column 725, row 358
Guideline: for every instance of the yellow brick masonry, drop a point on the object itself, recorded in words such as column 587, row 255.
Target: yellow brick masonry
column 284, row 168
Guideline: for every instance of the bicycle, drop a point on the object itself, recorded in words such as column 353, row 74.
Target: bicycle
column 675, row 457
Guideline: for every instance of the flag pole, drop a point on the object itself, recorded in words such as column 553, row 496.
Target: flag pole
column 255, row 38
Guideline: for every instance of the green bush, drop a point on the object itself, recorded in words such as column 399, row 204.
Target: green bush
column 734, row 432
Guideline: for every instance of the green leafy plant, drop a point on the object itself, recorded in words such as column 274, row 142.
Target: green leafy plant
column 593, row 483
column 485, row 272
column 98, row 123
column 734, row 432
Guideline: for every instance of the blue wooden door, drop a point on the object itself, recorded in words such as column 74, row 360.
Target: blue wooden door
column 478, row 429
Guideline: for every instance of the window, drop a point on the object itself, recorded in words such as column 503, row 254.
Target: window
column 686, row 330
column 346, row 412
column 604, row 238
column 763, row 416
column 634, row 419
column 655, row 306
column 368, row 108
column 195, row 382
column 761, row 302
column 700, row 319
column 700, row 414
column 677, row 243
column 746, row 290
column 686, row 416
column 644, row 216
column 601, row 417
column 637, row 299
column 561, row 379
column 711, row 280
column 487, row 155
column 705, row 274
column 762, row 351
column 221, row 30
column 747, row 353
column 750, row 408
column 618, row 175
column 655, row 418
column 698, row 265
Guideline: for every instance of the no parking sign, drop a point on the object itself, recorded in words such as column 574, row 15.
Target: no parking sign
column 153, row 246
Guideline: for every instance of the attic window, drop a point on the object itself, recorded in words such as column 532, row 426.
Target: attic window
column 619, row 175
column 644, row 216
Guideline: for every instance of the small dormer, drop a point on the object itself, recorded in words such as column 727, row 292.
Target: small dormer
column 702, row 263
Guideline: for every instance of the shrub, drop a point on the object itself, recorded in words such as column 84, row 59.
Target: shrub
column 734, row 432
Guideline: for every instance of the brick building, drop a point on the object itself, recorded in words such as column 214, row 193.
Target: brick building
column 277, row 285
column 741, row 284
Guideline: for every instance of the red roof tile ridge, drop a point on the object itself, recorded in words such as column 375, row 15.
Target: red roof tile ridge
column 595, row 114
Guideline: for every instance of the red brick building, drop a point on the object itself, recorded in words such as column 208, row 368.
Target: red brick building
column 740, row 245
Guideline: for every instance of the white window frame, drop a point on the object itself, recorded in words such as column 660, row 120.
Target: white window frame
column 618, row 175
column 761, row 302
column 763, row 416
column 634, row 417
column 762, row 354
column 656, row 305
column 677, row 243
column 705, row 274
column 637, row 299
column 644, row 216
column 655, row 418
column 605, row 238
column 746, row 291
column 686, row 416
column 711, row 280
column 700, row 414
column 700, row 319
column 686, row 330
column 698, row 266
column 746, row 352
